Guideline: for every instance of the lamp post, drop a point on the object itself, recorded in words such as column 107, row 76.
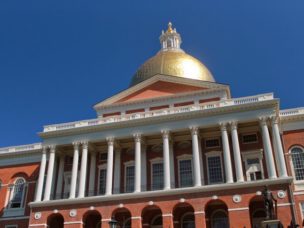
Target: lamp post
column 113, row 223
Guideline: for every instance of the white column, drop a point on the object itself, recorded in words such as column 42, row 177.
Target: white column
column 41, row 175
column 279, row 149
column 237, row 153
column 74, row 170
column 226, row 153
column 268, row 150
column 172, row 172
column 92, row 173
column 50, row 172
column 196, row 157
column 83, row 170
column 117, row 170
column 143, row 167
column 60, row 177
column 110, row 160
column 166, row 160
column 201, row 159
column 137, row 138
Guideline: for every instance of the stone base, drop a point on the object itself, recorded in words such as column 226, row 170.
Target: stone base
column 271, row 224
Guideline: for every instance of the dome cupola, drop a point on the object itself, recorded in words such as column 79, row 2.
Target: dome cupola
column 172, row 60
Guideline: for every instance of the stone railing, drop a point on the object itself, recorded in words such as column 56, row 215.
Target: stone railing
column 168, row 111
column 292, row 112
column 23, row 148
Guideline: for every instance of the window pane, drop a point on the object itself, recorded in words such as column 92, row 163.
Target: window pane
column 211, row 143
column 298, row 163
column 215, row 169
column 157, row 176
column 18, row 189
column 250, row 138
column 130, row 179
column 185, row 172
column 102, row 181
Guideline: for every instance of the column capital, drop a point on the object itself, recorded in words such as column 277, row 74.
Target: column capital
column 44, row 149
column 137, row 137
column 110, row 141
column 234, row 125
column 263, row 120
column 76, row 145
column 165, row 134
column 52, row 148
column 194, row 130
column 275, row 120
column 223, row 126
column 85, row 144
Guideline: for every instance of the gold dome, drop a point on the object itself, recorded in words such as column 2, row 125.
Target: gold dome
column 172, row 60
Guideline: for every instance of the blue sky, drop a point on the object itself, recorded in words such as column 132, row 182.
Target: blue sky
column 59, row 58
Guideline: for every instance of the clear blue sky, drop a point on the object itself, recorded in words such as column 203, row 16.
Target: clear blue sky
column 58, row 58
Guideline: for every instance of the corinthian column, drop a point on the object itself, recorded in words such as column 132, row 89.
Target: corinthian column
column 92, row 173
column 60, row 177
column 83, row 170
column 267, row 148
column 196, row 157
column 50, row 172
column 137, row 138
column 237, row 153
column 109, row 182
column 227, row 156
column 166, row 163
column 74, row 170
column 279, row 149
column 41, row 175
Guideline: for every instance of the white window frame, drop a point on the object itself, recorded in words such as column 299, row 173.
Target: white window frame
column 100, row 167
column 184, row 157
column 66, row 175
column 250, row 133
column 215, row 154
column 212, row 138
column 11, row 194
column 153, row 161
column 301, row 182
column 252, row 155
column 128, row 164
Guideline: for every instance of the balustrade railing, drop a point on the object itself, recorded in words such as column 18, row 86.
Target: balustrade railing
column 168, row 111
column 291, row 112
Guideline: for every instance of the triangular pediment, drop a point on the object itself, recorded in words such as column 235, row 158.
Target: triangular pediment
column 160, row 86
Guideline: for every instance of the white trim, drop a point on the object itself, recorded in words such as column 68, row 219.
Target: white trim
column 176, row 191
column 73, row 222
column 298, row 193
column 215, row 154
column 106, row 220
column 199, row 212
column 167, row 215
column 251, row 155
column 284, row 204
column 136, row 217
column 43, row 224
column 238, row 209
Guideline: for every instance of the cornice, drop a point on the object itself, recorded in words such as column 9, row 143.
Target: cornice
column 22, row 149
column 149, row 194
column 273, row 103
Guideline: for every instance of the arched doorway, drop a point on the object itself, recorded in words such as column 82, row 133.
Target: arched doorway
column 257, row 211
column 217, row 214
column 152, row 217
column 92, row 219
column 123, row 217
column 183, row 214
column 55, row 221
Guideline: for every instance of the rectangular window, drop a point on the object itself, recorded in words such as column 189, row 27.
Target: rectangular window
column 103, row 156
column 212, row 143
column 157, row 176
column 250, row 138
column 102, row 181
column 11, row 226
column 215, row 169
column 302, row 209
column 185, row 173
column 130, row 171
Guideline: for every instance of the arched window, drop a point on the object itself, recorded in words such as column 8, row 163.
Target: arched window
column 219, row 219
column 17, row 194
column 297, row 155
column 188, row 220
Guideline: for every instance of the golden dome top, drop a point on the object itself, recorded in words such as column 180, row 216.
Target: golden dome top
column 172, row 60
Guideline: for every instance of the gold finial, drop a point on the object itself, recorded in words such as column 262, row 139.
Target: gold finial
column 170, row 27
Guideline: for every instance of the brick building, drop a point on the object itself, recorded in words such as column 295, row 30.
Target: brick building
column 172, row 150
